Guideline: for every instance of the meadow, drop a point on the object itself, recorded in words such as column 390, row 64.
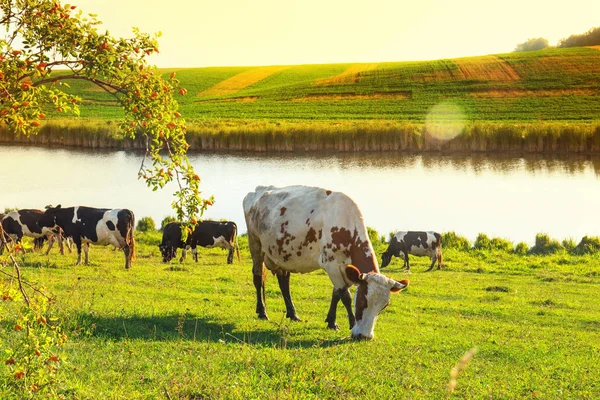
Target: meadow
column 189, row 331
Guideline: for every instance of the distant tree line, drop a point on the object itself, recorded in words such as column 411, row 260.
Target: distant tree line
column 533, row 44
column 589, row 38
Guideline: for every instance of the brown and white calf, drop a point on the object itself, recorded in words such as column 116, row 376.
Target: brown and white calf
column 299, row 229
column 415, row 243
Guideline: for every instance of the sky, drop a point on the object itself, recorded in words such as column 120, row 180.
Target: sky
column 286, row 32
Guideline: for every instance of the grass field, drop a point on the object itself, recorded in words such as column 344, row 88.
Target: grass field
column 190, row 330
column 555, row 84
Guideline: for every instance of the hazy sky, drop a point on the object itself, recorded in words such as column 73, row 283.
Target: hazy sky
column 267, row 32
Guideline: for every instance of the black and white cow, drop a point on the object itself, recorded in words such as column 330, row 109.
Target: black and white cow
column 25, row 222
column 299, row 229
column 207, row 234
column 415, row 243
column 101, row 226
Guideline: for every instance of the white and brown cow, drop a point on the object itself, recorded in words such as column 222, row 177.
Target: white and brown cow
column 207, row 234
column 416, row 243
column 19, row 223
column 299, row 229
column 87, row 225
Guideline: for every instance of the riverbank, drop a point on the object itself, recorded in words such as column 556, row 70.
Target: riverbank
column 340, row 136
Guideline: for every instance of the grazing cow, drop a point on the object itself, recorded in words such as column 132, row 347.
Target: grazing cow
column 206, row 234
column 415, row 243
column 299, row 229
column 19, row 223
column 87, row 225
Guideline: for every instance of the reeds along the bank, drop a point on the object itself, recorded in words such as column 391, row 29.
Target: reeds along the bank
column 344, row 136
column 354, row 136
column 75, row 133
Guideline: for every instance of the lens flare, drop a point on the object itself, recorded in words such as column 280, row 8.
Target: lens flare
column 445, row 121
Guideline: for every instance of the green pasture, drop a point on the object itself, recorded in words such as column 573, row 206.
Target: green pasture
column 555, row 84
column 189, row 331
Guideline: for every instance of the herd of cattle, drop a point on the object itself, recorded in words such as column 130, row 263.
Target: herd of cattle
column 295, row 229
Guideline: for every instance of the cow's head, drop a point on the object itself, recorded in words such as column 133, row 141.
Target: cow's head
column 386, row 259
column 371, row 297
column 48, row 220
column 168, row 252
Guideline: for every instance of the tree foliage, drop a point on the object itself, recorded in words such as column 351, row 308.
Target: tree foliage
column 589, row 38
column 539, row 43
column 46, row 44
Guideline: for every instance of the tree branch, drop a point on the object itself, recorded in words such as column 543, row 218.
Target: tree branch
column 103, row 84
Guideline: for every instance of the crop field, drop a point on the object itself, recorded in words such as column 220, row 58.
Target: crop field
column 189, row 331
column 546, row 85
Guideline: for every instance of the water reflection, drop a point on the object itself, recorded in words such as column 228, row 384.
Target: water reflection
column 502, row 195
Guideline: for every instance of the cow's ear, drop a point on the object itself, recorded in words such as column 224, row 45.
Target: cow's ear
column 399, row 285
column 353, row 274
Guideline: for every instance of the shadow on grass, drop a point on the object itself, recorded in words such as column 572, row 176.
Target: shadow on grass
column 194, row 329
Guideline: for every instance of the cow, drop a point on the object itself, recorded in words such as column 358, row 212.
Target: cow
column 87, row 225
column 415, row 243
column 300, row 229
column 206, row 234
column 19, row 223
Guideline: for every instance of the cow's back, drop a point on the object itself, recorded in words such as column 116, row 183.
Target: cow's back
column 25, row 222
column 304, row 228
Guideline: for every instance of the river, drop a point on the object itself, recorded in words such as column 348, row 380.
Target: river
column 506, row 196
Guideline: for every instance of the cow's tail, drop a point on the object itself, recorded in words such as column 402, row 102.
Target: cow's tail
column 237, row 245
column 130, row 239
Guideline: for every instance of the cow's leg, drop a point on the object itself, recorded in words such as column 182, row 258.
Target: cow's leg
column 61, row 243
column 331, row 315
column 337, row 295
column 51, row 240
column 230, row 255
column 259, row 275
column 195, row 253
column 77, row 241
column 86, row 250
column 127, row 251
column 347, row 302
column 284, row 284
column 183, row 253
column 439, row 258
column 406, row 262
column 433, row 260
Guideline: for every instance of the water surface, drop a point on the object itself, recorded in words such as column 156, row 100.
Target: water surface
column 510, row 197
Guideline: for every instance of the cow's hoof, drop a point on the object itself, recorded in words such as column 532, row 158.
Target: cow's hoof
column 333, row 326
column 263, row 316
column 294, row 318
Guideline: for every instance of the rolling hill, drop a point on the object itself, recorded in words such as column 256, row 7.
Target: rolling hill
column 555, row 84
